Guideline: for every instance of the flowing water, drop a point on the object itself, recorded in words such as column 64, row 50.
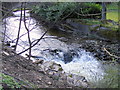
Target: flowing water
column 72, row 59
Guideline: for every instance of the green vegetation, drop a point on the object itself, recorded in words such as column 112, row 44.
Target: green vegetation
column 88, row 21
column 112, row 11
column 111, row 77
column 70, row 75
column 113, row 15
column 60, row 69
column 106, row 23
column 91, row 8
column 55, row 11
column 10, row 81
column 62, row 11
column 112, row 6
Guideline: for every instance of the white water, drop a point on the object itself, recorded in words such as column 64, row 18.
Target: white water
column 84, row 65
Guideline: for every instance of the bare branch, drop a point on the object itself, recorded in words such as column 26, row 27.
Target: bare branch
column 23, row 35
column 34, row 43
column 28, row 33
column 19, row 28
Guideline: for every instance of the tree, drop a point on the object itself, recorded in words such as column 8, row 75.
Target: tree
column 103, row 10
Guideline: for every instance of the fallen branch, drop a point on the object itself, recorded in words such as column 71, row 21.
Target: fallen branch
column 110, row 53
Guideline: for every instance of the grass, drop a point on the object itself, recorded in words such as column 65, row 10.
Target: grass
column 113, row 15
column 112, row 11
column 9, row 81
column 97, row 22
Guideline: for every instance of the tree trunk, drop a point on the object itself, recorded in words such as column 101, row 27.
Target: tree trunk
column 103, row 10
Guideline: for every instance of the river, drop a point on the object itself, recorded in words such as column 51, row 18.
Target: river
column 56, row 47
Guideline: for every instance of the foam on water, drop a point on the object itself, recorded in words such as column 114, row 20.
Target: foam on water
column 84, row 65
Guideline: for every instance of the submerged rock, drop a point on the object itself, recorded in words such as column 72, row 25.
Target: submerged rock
column 68, row 56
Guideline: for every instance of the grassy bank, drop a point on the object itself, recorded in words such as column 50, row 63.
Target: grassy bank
column 113, row 15
column 112, row 11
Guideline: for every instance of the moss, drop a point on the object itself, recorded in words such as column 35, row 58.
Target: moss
column 70, row 75
column 60, row 69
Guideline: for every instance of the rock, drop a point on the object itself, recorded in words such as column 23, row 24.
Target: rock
column 76, row 80
column 94, row 26
column 51, row 73
column 50, row 65
column 68, row 56
column 38, row 61
column 57, row 67
column 49, row 83
column 103, row 28
column 55, row 71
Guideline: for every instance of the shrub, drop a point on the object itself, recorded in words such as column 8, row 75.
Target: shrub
column 54, row 12
column 62, row 10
